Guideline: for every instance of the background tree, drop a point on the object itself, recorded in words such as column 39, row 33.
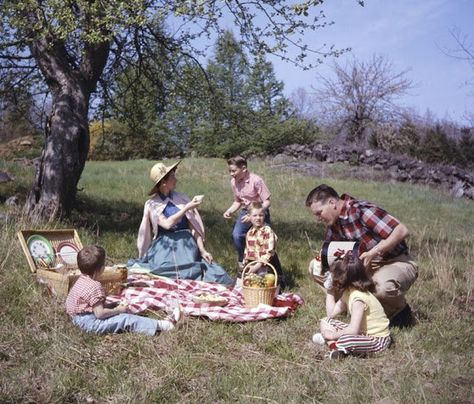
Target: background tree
column 463, row 50
column 245, row 111
column 265, row 91
column 361, row 95
column 16, row 109
column 229, row 101
column 74, row 44
column 302, row 103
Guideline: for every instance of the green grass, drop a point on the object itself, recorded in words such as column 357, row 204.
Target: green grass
column 44, row 358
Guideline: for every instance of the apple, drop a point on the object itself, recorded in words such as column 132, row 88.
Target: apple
column 269, row 280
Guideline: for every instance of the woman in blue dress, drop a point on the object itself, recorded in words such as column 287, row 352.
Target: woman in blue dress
column 177, row 247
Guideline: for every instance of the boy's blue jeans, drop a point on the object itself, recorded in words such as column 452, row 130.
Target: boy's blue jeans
column 115, row 324
column 240, row 230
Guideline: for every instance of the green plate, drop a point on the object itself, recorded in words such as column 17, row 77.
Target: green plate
column 40, row 247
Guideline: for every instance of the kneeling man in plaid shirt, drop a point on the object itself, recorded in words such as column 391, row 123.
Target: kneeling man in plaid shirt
column 382, row 242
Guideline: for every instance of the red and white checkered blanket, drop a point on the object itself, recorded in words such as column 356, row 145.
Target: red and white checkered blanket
column 160, row 293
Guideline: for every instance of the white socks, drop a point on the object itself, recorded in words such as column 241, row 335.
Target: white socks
column 318, row 339
column 176, row 314
column 165, row 325
column 171, row 320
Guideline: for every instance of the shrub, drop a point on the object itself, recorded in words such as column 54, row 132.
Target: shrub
column 437, row 147
column 261, row 134
column 404, row 139
column 111, row 140
column 466, row 148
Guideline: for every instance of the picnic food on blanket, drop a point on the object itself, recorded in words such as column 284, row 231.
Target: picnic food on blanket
column 210, row 298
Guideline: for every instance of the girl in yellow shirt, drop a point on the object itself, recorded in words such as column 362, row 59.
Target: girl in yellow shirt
column 368, row 330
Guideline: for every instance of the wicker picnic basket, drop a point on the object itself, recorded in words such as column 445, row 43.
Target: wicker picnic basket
column 61, row 279
column 254, row 296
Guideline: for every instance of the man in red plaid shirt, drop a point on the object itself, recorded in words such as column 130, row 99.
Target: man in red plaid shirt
column 382, row 239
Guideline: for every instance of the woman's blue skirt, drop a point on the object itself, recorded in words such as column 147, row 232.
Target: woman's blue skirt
column 175, row 254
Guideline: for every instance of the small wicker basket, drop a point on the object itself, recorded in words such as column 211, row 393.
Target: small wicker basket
column 255, row 296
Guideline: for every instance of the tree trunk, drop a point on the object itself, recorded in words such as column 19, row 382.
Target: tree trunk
column 64, row 155
column 66, row 145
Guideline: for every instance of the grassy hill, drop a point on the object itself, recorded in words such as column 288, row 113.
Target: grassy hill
column 44, row 358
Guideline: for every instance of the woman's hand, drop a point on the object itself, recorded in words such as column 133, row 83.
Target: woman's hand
column 207, row 256
column 192, row 204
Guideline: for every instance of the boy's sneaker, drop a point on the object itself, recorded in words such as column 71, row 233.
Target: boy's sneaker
column 318, row 339
column 335, row 354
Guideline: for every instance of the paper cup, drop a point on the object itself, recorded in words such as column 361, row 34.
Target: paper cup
column 316, row 267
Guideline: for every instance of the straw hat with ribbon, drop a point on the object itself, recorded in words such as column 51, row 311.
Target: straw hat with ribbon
column 158, row 172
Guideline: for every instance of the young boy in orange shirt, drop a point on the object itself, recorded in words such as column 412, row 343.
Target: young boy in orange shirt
column 260, row 245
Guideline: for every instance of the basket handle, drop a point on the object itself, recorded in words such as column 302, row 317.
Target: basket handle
column 247, row 267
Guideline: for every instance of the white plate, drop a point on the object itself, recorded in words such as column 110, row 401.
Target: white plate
column 67, row 252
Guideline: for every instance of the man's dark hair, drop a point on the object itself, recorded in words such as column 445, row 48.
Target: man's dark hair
column 350, row 271
column 91, row 259
column 321, row 194
column 238, row 161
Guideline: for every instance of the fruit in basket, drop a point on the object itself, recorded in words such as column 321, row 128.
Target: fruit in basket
column 269, row 280
column 254, row 281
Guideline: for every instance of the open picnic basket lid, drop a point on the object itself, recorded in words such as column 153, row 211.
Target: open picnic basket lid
column 51, row 246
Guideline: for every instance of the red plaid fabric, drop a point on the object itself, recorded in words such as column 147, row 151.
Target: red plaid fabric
column 160, row 293
column 250, row 189
column 363, row 221
column 84, row 295
column 260, row 244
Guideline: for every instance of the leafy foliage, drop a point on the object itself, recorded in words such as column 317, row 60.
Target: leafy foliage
column 437, row 147
column 466, row 148
column 234, row 106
